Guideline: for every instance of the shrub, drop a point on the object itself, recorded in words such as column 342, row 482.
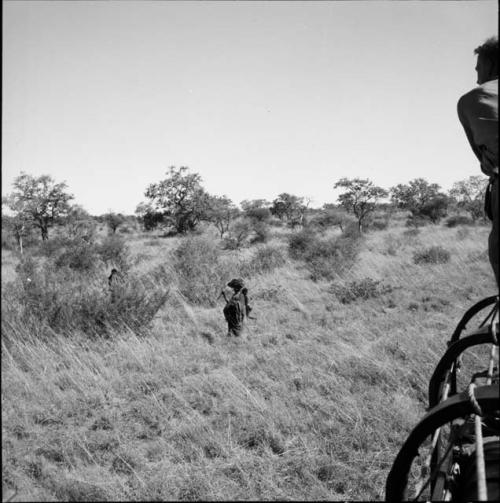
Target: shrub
column 362, row 289
column 199, row 269
column 416, row 221
column 329, row 257
column 266, row 259
column 114, row 252
column 329, row 218
column 238, row 234
column 351, row 230
column 53, row 246
column 378, row 224
column 79, row 255
column 65, row 301
column 432, row 255
column 324, row 258
column 411, row 233
column 299, row 243
column 261, row 230
column 458, row 220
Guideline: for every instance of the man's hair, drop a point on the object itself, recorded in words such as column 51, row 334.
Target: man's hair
column 488, row 50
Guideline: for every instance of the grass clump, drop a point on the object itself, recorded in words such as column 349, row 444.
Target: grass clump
column 266, row 259
column 363, row 289
column 324, row 258
column 197, row 261
column 113, row 251
column 458, row 220
column 432, row 255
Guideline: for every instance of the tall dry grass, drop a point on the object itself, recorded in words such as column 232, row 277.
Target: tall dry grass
column 313, row 402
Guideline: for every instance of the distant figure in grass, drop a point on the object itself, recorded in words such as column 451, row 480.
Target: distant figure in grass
column 478, row 113
column 236, row 308
column 114, row 279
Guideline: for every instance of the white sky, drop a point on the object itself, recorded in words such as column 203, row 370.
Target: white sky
column 258, row 98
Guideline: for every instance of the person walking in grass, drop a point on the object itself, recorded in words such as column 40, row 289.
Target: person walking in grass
column 237, row 307
column 478, row 114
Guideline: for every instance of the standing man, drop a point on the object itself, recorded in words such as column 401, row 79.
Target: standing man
column 237, row 307
column 478, row 113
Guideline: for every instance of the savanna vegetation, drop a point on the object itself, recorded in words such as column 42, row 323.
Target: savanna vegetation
column 136, row 393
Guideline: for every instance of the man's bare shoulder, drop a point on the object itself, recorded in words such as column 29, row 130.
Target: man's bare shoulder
column 471, row 96
column 485, row 95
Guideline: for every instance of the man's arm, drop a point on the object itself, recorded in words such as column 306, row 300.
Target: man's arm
column 462, row 116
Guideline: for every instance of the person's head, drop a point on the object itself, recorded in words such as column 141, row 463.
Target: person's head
column 236, row 284
column 487, row 60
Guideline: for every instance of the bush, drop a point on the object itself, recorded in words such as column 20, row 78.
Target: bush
column 266, row 259
column 432, row 255
column 416, row 221
column 363, row 289
column 79, row 256
column 54, row 246
column 351, row 230
column 199, row 269
column 458, row 220
column 65, row 301
column 330, row 257
column 299, row 243
column 261, row 230
column 378, row 224
column 114, row 252
column 411, row 233
column 238, row 234
column 324, row 258
column 330, row 218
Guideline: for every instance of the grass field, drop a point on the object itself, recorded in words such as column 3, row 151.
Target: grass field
column 313, row 402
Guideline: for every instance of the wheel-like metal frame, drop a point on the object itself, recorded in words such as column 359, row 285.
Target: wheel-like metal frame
column 489, row 302
column 445, row 371
column 458, row 406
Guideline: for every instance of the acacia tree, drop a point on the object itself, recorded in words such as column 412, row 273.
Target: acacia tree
column 113, row 221
column 39, row 201
column 221, row 212
column 469, row 195
column 289, row 207
column 421, row 198
column 180, row 198
column 360, row 197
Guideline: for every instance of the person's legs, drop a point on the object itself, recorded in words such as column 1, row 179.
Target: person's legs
column 493, row 240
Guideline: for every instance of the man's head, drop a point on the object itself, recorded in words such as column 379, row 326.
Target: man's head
column 487, row 60
column 236, row 284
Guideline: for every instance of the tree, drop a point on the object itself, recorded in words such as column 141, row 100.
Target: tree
column 469, row 195
column 180, row 198
column 256, row 210
column 113, row 221
column 149, row 218
column 17, row 227
column 39, row 201
column 289, row 207
column 414, row 196
column 221, row 212
column 360, row 197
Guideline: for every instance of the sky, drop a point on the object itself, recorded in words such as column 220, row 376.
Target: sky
column 258, row 97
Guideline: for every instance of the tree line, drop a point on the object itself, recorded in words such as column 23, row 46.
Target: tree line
column 179, row 202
